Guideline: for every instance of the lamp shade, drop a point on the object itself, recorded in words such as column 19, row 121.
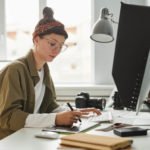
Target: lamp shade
column 102, row 30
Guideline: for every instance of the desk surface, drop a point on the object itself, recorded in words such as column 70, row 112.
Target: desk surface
column 25, row 139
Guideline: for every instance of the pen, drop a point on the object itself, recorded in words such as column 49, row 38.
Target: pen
column 72, row 109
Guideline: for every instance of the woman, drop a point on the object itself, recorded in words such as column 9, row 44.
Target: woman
column 27, row 92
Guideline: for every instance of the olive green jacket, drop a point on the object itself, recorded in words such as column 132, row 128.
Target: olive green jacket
column 17, row 96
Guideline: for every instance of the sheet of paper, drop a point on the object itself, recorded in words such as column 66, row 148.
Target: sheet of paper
column 130, row 117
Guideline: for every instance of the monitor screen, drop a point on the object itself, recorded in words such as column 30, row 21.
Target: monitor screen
column 130, row 66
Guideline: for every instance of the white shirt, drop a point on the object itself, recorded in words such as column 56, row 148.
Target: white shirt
column 41, row 120
column 39, row 91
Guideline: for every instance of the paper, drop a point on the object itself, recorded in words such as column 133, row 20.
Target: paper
column 130, row 117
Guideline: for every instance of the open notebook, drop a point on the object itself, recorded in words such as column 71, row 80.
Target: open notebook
column 87, row 123
column 106, row 116
column 77, row 127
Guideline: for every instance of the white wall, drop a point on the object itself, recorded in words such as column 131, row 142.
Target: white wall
column 103, row 53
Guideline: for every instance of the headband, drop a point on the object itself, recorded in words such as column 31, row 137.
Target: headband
column 45, row 27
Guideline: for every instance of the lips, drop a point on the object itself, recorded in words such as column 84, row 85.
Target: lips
column 51, row 56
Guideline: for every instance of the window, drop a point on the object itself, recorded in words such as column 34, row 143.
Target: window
column 21, row 18
column 71, row 66
column 81, row 61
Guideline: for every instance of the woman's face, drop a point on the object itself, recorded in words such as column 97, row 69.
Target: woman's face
column 49, row 46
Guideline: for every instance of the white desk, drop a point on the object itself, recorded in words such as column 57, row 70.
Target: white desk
column 24, row 139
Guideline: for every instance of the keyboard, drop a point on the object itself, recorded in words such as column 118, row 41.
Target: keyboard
column 106, row 116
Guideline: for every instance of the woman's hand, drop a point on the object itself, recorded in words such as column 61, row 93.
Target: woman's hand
column 67, row 118
column 86, row 111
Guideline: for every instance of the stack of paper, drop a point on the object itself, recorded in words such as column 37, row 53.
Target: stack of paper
column 95, row 142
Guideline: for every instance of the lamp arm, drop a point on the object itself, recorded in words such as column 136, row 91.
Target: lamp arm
column 114, row 21
column 111, row 18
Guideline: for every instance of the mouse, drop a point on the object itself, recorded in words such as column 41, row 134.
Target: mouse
column 47, row 134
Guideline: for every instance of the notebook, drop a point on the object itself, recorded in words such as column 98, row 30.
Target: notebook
column 106, row 116
column 95, row 142
column 77, row 127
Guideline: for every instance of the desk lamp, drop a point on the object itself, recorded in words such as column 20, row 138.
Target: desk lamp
column 102, row 29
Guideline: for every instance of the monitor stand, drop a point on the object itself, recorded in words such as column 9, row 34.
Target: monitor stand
column 145, row 107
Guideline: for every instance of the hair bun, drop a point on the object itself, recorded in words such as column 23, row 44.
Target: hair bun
column 48, row 13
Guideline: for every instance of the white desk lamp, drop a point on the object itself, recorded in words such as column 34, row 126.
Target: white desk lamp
column 102, row 29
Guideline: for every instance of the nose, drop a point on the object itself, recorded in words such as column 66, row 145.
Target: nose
column 55, row 51
column 56, row 48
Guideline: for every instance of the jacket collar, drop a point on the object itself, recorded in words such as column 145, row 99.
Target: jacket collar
column 33, row 71
column 46, row 74
column 31, row 64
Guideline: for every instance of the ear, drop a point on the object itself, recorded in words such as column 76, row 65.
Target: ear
column 36, row 40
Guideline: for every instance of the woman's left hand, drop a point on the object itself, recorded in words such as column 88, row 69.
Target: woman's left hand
column 86, row 111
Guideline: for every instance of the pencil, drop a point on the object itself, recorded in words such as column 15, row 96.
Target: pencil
column 72, row 110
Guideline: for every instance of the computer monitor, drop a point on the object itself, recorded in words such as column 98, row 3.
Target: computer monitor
column 131, row 65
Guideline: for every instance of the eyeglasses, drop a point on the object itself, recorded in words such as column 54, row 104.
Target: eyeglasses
column 54, row 44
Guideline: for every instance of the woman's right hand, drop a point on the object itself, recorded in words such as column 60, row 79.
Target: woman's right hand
column 67, row 118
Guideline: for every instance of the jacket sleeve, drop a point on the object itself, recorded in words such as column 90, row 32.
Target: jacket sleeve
column 12, row 105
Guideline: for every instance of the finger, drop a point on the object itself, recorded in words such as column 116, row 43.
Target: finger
column 86, row 109
column 75, row 119
column 77, row 113
column 97, row 111
column 72, row 121
column 85, row 113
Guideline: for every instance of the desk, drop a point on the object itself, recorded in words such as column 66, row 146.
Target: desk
column 24, row 139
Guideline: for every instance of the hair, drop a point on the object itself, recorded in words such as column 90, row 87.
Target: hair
column 48, row 24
